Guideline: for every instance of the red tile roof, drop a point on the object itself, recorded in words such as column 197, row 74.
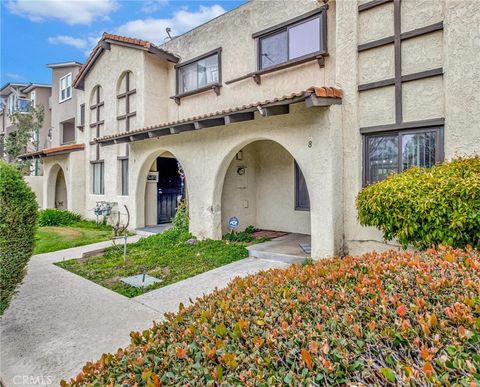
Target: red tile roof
column 111, row 38
column 321, row 92
column 53, row 151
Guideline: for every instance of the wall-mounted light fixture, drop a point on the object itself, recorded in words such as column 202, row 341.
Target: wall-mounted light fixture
column 241, row 171
column 239, row 156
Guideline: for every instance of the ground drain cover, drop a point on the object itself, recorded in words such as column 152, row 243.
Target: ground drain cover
column 140, row 280
column 306, row 247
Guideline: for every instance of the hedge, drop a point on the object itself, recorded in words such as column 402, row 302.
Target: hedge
column 18, row 215
column 390, row 318
column 55, row 217
column 424, row 207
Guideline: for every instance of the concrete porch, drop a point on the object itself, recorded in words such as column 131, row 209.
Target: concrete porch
column 152, row 230
column 284, row 249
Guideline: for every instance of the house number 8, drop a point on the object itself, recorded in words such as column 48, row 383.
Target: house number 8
column 310, row 144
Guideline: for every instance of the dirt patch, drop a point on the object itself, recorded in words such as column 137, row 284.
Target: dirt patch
column 65, row 231
column 268, row 234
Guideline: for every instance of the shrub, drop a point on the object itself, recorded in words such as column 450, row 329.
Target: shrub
column 398, row 318
column 55, row 217
column 241, row 236
column 18, row 215
column 424, row 207
column 181, row 220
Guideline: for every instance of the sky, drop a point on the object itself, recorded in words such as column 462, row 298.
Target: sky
column 35, row 33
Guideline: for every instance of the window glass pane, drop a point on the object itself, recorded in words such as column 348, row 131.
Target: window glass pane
column 418, row 149
column 304, row 38
column 382, row 157
column 302, row 199
column 207, row 70
column 98, row 178
column 188, row 78
column 273, row 49
column 124, row 177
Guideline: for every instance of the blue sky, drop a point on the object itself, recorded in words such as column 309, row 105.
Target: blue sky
column 37, row 32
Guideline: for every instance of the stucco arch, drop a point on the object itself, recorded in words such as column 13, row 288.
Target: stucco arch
column 54, row 172
column 284, row 150
column 141, row 178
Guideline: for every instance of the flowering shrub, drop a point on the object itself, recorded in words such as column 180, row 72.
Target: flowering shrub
column 391, row 318
column 427, row 206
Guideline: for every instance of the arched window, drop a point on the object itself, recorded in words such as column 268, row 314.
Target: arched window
column 96, row 111
column 126, row 102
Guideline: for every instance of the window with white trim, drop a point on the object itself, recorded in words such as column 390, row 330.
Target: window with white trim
column 98, row 178
column 65, row 91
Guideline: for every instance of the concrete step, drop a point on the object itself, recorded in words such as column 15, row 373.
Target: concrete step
column 284, row 249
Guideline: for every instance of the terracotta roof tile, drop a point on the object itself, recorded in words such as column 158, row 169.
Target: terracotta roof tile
column 321, row 92
column 53, row 150
column 116, row 38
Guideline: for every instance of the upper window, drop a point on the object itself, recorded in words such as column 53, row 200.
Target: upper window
column 96, row 111
column 65, row 87
column 397, row 151
column 300, row 39
column 199, row 73
column 126, row 102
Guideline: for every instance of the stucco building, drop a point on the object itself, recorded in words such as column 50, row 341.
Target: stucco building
column 18, row 97
column 276, row 113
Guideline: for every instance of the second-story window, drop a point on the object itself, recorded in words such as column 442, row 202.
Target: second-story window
column 292, row 40
column 126, row 102
column 65, row 87
column 199, row 73
column 96, row 111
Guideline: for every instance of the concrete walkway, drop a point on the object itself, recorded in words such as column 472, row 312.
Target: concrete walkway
column 58, row 321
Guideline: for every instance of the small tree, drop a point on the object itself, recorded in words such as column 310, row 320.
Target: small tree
column 26, row 124
column 18, row 216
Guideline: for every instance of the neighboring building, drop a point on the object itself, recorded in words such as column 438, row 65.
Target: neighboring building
column 264, row 101
column 18, row 97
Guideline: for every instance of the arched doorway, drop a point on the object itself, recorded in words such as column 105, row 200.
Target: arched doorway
column 164, row 189
column 61, row 199
column 265, row 187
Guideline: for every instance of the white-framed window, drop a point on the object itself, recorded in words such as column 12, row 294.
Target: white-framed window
column 12, row 102
column 65, row 91
column 98, row 177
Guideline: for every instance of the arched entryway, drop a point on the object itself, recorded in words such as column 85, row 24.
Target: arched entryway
column 160, row 189
column 264, row 187
column 57, row 193
column 61, row 199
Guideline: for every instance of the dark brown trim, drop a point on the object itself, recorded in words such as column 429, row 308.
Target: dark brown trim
column 422, row 31
column 397, row 27
column 403, row 36
column 439, row 150
column 422, row 75
column 284, row 24
column 295, row 62
column 376, row 84
column 376, row 43
column 403, row 125
column 214, row 86
column 372, row 4
column 122, row 157
column 404, row 78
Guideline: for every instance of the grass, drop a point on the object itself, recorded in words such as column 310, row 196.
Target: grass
column 166, row 256
column 48, row 239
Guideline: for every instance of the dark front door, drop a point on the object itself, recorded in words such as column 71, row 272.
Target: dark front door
column 169, row 189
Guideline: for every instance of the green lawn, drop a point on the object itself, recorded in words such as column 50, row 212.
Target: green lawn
column 166, row 256
column 58, row 238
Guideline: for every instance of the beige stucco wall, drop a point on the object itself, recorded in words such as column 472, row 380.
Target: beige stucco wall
column 264, row 196
column 332, row 165
column 62, row 111
column 36, row 184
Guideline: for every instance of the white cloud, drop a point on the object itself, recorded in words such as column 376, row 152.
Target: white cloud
column 151, row 6
column 182, row 20
column 68, row 11
column 69, row 41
